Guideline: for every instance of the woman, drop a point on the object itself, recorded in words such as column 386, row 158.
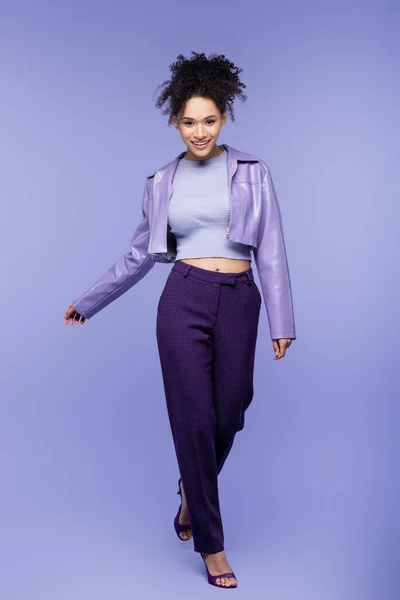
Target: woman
column 206, row 211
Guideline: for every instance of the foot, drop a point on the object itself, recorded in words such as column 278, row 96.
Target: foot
column 184, row 518
column 216, row 564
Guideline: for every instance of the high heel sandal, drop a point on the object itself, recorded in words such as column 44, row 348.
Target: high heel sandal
column 179, row 528
column 212, row 578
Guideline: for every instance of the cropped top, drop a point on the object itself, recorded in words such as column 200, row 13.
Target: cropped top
column 198, row 213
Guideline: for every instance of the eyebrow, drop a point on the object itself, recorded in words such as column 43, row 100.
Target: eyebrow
column 191, row 118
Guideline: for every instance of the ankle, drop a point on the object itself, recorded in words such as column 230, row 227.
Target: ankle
column 220, row 554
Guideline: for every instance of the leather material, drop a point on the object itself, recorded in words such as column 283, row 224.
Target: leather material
column 255, row 220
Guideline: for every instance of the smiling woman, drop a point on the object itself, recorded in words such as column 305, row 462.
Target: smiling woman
column 206, row 211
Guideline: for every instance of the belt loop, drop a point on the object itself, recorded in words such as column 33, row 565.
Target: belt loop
column 187, row 269
column 248, row 278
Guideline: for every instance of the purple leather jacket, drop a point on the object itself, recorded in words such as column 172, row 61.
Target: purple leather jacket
column 255, row 219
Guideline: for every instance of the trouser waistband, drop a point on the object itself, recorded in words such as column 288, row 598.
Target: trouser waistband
column 213, row 276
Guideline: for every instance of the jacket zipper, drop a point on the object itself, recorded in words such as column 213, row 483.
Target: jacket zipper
column 228, row 229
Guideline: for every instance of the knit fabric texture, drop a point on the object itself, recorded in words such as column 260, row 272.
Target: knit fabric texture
column 199, row 210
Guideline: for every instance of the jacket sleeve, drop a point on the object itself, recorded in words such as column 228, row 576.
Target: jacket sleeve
column 123, row 274
column 272, row 265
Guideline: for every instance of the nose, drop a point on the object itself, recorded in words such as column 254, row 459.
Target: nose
column 200, row 134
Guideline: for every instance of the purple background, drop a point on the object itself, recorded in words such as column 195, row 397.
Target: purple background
column 310, row 492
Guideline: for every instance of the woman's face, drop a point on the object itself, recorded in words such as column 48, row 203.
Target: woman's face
column 201, row 122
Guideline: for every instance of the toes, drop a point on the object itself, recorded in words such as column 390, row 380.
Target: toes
column 185, row 535
column 226, row 581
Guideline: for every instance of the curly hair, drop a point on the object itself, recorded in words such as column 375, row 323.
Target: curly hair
column 214, row 77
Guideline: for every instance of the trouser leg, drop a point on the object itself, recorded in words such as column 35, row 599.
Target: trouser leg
column 184, row 335
column 235, row 337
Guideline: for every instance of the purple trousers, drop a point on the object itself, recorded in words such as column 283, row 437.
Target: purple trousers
column 207, row 324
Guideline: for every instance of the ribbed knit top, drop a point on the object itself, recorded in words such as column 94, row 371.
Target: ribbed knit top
column 198, row 212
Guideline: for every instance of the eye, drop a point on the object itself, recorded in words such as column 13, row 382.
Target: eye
column 210, row 122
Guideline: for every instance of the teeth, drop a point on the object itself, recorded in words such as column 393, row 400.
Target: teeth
column 198, row 144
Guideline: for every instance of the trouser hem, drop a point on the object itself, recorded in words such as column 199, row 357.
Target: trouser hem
column 210, row 551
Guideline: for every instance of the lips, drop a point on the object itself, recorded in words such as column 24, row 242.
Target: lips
column 201, row 146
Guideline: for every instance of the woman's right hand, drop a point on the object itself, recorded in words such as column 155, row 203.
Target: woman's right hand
column 72, row 317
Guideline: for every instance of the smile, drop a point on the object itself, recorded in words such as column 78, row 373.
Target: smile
column 201, row 144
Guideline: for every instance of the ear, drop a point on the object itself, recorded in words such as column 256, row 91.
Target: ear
column 223, row 118
column 174, row 121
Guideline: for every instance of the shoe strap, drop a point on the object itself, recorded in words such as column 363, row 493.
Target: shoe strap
column 223, row 575
column 183, row 527
column 215, row 577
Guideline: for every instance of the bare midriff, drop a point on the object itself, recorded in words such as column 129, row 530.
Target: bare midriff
column 220, row 264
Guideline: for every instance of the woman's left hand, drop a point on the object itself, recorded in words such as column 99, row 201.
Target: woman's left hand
column 280, row 346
